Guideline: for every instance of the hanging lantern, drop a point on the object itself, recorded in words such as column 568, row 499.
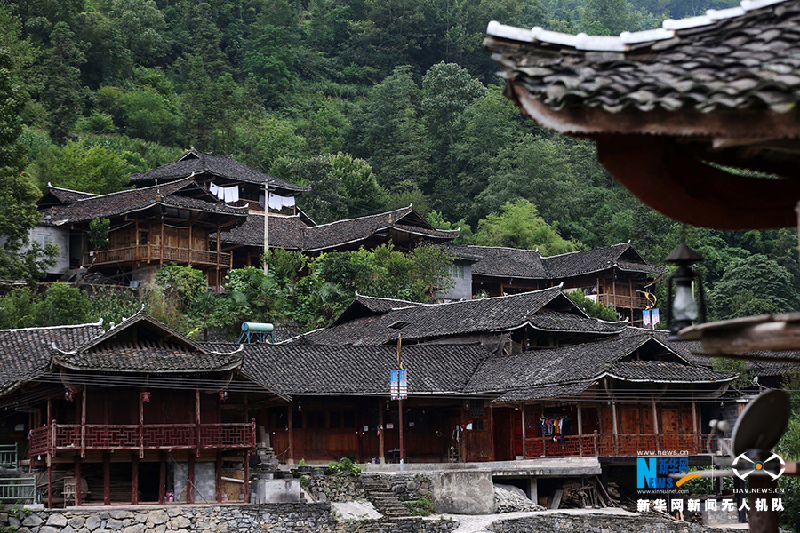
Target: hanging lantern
column 683, row 311
column 69, row 395
column 223, row 395
column 145, row 397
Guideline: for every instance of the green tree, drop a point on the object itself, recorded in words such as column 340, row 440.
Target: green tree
column 76, row 166
column 181, row 284
column 63, row 91
column 17, row 309
column 592, row 308
column 139, row 24
column 519, row 225
column 746, row 290
column 62, row 305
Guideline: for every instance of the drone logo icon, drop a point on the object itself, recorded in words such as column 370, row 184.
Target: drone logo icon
column 743, row 466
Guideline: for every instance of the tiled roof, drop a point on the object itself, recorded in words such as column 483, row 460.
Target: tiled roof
column 514, row 263
column 666, row 372
column 569, row 364
column 67, row 196
column 428, row 321
column 503, row 262
column 566, row 390
column 366, row 306
column 25, row 353
column 743, row 57
column 302, row 369
column 622, row 256
column 196, row 162
column 167, row 351
column 294, row 234
column 115, row 204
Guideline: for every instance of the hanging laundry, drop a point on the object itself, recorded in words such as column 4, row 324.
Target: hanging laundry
column 213, row 189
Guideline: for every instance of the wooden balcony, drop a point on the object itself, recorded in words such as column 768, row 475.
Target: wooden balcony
column 618, row 300
column 155, row 252
column 51, row 439
column 596, row 445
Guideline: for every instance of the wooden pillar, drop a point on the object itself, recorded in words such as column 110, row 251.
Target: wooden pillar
column 83, row 247
column 197, row 421
column 219, row 237
column 136, row 229
column 162, row 476
column 544, row 440
column 381, row 444
column 613, row 298
column 219, row 476
column 492, row 453
column 83, row 423
column 189, row 246
column 161, row 261
column 49, row 484
column 290, row 458
column 524, row 437
column 247, row 476
column 106, row 478
column 190, row 480
column 695, row 429
column 149, row 238
column 630, row 290
column 655, row 425
column 614, row 426
column 580, row 428
column 135, row 479
column 141, row 426
column 77, row 480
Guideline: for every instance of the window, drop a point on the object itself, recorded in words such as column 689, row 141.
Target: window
column 457, row 271
column 349, row 419
column 336, row 419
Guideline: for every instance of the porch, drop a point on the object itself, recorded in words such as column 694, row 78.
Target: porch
column 155, row 252
column 620, row 445
column 55, row 437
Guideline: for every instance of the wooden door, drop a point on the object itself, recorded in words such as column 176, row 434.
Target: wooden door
column 503, row 445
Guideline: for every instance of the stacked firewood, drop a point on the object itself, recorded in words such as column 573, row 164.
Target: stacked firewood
column 577, row 495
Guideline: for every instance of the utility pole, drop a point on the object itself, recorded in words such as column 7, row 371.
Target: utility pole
column 400, row 400
column 266, row 228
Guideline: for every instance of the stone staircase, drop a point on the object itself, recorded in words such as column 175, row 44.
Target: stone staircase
column 383, row 499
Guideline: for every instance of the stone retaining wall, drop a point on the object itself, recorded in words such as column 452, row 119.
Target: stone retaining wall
column 277, row 518
column 335, row 488
column 598, row 523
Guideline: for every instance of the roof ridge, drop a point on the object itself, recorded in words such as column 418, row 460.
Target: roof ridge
column 188, row 178
column 366, row 216
column 498, row 247
column 71, row 190
column 99, row 323
column 668, row 30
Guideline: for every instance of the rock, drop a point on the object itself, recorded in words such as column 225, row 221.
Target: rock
column 140, row 517
column 180, row 522
column 68, row 529
column 14, row 522
column 120, row 515
column 136, row 528
column 48, row 529
column 32, row 520
column 77, row 522
column 57, row 520
column 114, row 524
column 412, row 485
column 174, row 511
column 93, row 522
column 157, row 517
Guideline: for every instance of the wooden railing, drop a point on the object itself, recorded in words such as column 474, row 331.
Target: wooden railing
column 618, row 300
column 597, row 445
column 49, row 439
column 156, row 252
column 17, row 489
column 9, row 455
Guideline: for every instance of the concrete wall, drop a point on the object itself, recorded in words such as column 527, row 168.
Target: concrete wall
column 58, row 236
column 462, row 290
column 463, row 492
column 597, row 523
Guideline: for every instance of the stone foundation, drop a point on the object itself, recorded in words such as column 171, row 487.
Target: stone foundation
column 598, row 523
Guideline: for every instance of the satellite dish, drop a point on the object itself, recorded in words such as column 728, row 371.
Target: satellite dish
column 762, row 423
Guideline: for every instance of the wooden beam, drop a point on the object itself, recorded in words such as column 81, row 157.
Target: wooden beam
column 690, row 191
column 580, row 428
column 137, row 236
column 197, row 421
column 49, row 485
column 189, row 248
column 218, row 481
column 290, row 451
column 524, row 442
column 655, row 424
column 381, row 442
column 83, row 422
column 162, row 476
column 247, row 476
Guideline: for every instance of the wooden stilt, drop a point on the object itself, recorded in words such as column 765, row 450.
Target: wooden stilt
column 219, row 476
column 190, row 482
column 580, row 428
column 524, row 436
column 381, row 444
column 49, row 484
column 77, row 480
column 83, row 423
column 106, row 479
column 135, row 479
column 162, row 477
column 290, row 457
column 655, row 425
column 247, row 477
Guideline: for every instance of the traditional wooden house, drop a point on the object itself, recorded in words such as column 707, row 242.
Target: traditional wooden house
column 149, row 226
column 617, row 276
column 511, row 324
column 403, row 228
column 233, row 182
column 130, row 414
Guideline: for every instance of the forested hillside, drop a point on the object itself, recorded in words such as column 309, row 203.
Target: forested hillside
column 375, row 103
